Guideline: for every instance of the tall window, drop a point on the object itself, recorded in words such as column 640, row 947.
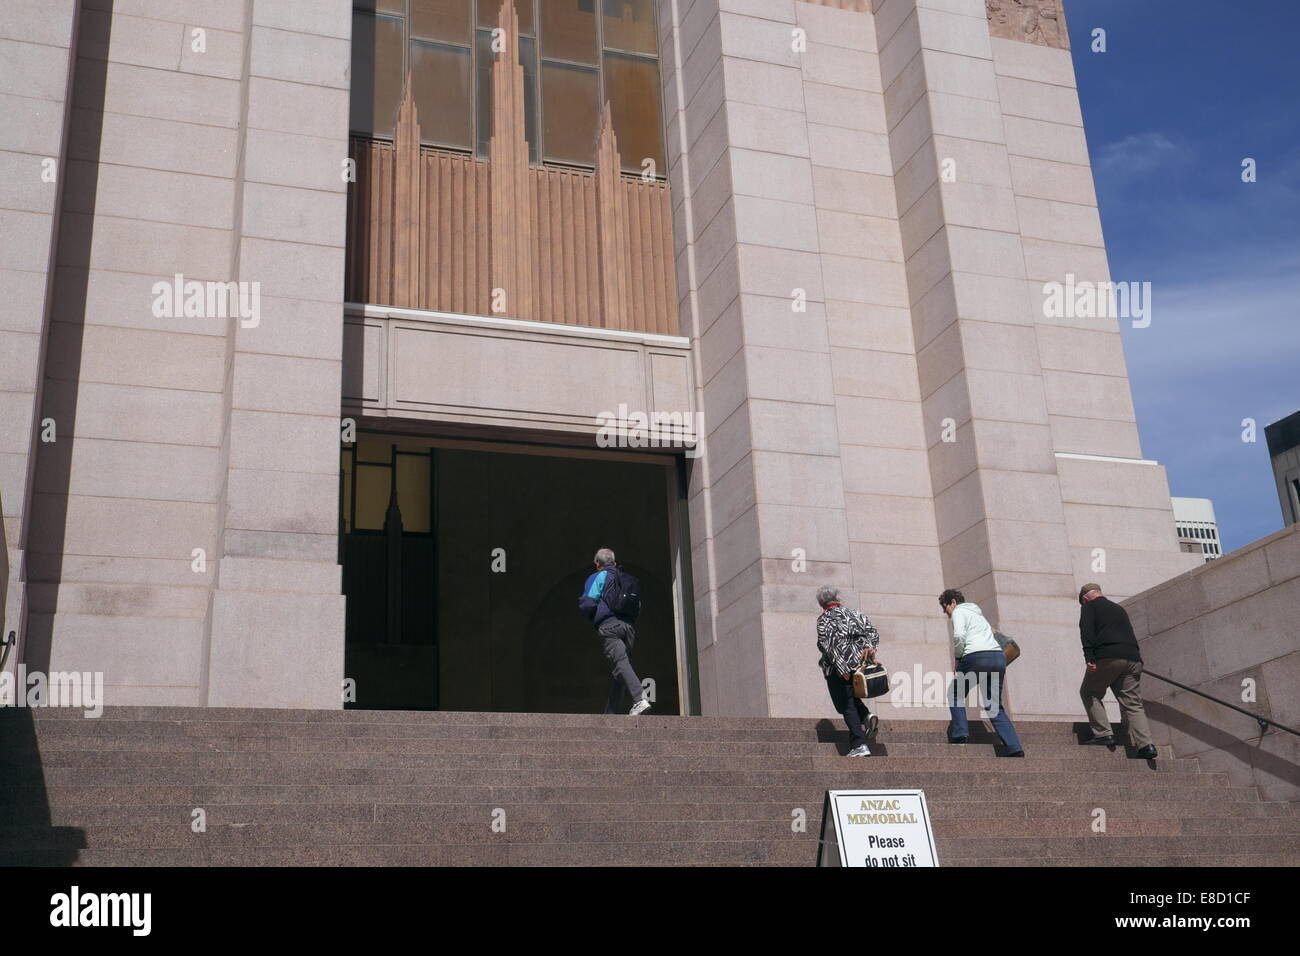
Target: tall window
column 576, row 55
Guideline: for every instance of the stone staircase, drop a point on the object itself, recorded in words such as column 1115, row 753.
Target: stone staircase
column 350, row 788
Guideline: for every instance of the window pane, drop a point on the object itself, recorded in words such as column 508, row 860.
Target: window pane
column 413, row 492
column 441, row 20
column 630, row 25
column 568, row 30
column 443, row 96
column 490, row 10
column 528, row 59
column 376, row 73
column 345, row 495
column 569, row 96
column 346, row 502
column 372, row 497
column 395, row 7
column 632, row 88
column 484, row 58
column 380, row 452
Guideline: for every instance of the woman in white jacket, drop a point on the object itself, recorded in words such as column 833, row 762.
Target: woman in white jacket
column 979, row 660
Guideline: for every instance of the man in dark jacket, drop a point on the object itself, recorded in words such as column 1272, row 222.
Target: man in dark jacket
column 1111, row 651
column 616, row 635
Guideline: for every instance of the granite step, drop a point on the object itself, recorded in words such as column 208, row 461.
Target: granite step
column 444, row 718
column 475, row 827
column 369, row 723
column 804, row 794
column 887, row 744
column 706, row 854
column 1048, row 811
column 884, row 773
column 883, row 758
column 207, row 731
column 1130, row 851
column 1238, row 861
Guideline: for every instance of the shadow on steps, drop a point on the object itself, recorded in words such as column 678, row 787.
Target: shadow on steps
column 27, row 837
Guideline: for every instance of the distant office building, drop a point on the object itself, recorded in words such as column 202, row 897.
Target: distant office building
column 1198, row 532
column 1284, row 448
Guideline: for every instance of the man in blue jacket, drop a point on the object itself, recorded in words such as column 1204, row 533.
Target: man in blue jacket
column 616, row 635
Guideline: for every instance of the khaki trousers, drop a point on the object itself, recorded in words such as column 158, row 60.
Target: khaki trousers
column 1124, row 678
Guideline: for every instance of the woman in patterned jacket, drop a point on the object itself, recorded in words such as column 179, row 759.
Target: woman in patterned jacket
column 846, row 639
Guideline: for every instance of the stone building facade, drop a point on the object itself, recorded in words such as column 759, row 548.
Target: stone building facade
column 836, row 266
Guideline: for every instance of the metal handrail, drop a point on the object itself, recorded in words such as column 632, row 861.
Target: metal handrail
column 1264, row 722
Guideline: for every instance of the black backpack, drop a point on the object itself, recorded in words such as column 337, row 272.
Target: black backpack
column 623, row 595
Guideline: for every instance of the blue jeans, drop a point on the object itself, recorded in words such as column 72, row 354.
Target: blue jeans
column 988, row 670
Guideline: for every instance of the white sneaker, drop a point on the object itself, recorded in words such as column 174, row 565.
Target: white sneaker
column 859, row 752
column 640, row 707
column 873, row 725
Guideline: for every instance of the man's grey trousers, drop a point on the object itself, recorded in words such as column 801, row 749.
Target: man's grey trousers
column 1124, row 679
column 616, row 639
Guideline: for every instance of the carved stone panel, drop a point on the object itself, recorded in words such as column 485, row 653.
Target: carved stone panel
column 471, row 370
column 1031, row 21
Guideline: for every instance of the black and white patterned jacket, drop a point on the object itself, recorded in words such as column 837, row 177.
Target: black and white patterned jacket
column 842, row 635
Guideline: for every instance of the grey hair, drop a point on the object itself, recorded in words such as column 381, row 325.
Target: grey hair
column 604, row 558
column 826, row 594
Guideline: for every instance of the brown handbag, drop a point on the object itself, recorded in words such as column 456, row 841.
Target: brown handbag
column 870, row 680
column 1008, row 644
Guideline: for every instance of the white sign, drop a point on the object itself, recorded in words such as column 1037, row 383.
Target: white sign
column 876, row 828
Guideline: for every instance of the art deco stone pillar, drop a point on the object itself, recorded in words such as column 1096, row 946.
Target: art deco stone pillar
column 39, row 103
column 276, row 621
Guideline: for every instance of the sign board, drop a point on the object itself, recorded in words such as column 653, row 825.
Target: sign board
column 876, row 828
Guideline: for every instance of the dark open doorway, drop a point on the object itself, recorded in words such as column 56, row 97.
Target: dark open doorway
column 388, row 549
column 462, row 568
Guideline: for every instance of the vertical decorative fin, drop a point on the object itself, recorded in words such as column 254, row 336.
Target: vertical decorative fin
column 612, row 247
column 406, row 204
column 511, row 242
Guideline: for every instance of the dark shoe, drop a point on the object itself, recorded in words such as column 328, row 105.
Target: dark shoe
column 1018, row 753
column 873, row 724
column 958, row 740
column 1100, row 742
column 1146, row 753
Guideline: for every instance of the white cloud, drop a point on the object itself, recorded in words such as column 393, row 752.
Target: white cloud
column 1140, row 154
column 1241, row 324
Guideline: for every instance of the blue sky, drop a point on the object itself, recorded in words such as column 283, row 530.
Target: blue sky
column 1185, row 91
